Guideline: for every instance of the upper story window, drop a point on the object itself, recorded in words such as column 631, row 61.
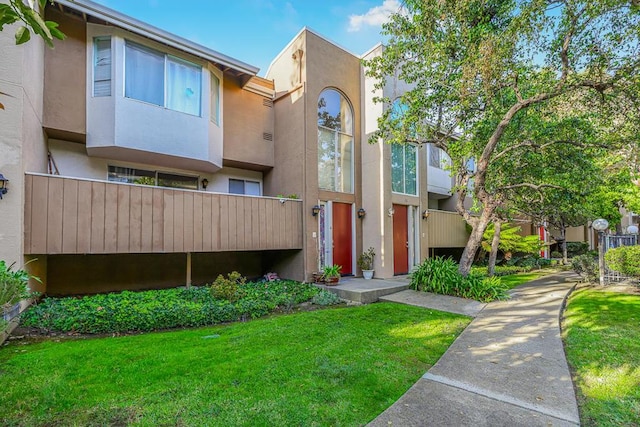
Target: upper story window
column 335, row 142
column 161, row 79
column 241, row 186
column 404, row 169
column 102, row 66
column 146, row 177
column 435, row 156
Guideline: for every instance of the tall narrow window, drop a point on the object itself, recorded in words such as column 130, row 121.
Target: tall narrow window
column 215, row 99
column 335, row 142
column 102, row 66
column 434, row 157
column 403, row 169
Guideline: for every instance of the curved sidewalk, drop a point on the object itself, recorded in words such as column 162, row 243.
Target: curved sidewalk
column 507, row 368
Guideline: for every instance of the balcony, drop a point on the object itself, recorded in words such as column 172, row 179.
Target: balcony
column 446, row 230
column 79, row 216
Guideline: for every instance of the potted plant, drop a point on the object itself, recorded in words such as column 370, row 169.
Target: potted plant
column 13, row 288
column 331, row 274
column 365, row 262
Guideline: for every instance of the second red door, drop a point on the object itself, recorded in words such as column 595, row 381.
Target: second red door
column 342, row 237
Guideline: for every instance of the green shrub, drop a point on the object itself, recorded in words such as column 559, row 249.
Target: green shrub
column 625, row 260
column 577, row 248
column 163, row 309
column 586, row 266
column 324, row 298
column 229, row 288
column 13, row 285
column 440, row 276
column 556, row 254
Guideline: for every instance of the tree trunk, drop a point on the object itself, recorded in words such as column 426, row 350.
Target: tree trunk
column 474, row 242
column 563, row 235
column 494, row 248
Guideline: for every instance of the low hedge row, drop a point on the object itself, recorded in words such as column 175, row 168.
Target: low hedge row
column 501, row 270
column 168, row 308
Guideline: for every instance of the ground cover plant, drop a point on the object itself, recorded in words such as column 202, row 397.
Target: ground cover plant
column 602, row 338
column 228, row 299
column 440, row 275
column 339, row 366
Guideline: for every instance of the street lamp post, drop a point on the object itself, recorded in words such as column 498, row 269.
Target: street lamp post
column 600, row 224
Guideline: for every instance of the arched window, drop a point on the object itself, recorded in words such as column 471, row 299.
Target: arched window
column 335, row 142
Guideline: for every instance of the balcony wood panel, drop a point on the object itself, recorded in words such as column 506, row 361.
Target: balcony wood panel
column 446, row 230
column 78, row 216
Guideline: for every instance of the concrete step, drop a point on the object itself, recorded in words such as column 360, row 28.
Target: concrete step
column 357, row 289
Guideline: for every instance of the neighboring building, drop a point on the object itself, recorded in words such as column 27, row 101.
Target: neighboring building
column 139, row 159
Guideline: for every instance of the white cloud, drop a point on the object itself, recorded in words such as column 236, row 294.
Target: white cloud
column 375, row 16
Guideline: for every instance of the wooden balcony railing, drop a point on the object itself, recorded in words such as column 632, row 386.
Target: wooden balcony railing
column 79, row 216
column 446, row 230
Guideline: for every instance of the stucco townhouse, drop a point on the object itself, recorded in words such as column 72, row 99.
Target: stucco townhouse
column 139, row 159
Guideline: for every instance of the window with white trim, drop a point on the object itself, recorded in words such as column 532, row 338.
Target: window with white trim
column 162, row 79
column 435, row 156
column 102, row 66
column 242, row 186
column 404, row 172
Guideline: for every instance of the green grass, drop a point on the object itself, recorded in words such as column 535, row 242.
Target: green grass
column 602, row 337
column 340, row 366
column 513, row 280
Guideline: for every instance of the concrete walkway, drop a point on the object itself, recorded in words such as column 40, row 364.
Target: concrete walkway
column 507, row 368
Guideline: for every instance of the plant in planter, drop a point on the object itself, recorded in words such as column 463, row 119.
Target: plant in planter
column 331, row 274
column 365, row 262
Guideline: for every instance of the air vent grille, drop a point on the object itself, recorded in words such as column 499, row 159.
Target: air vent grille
column 267, row 136
column 267, row 102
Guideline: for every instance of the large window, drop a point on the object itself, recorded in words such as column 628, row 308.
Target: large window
column 161, row 79
column 241, row 186
column 335, row 142
column 146, row 177
column 404, row 169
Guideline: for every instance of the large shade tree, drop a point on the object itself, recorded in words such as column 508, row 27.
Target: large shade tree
column 477, row 67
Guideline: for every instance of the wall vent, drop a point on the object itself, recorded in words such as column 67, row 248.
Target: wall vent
column 267, row 136
column 267, row 102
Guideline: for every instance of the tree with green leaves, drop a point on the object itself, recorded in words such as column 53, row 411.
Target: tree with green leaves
column 486, row 77
column 29, row 15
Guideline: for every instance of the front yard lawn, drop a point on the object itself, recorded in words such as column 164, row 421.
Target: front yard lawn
column 602, row 337
column 340, row 366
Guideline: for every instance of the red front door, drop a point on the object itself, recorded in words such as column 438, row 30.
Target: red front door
column 400, row 240
column 342, row 235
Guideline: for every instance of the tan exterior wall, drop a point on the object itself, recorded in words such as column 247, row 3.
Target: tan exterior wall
column 21, row 137
column 577, row 234
column 328, row 66
column 65, row 79
column 247, row 118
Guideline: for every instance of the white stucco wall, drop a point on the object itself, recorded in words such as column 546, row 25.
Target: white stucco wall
column 117, row 121
column 72, row 160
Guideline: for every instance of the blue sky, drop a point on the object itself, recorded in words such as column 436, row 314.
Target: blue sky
column 255, row 31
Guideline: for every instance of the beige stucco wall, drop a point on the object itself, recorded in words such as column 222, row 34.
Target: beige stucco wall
column 65, row 78
column 21, row 137
column 247, row 119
